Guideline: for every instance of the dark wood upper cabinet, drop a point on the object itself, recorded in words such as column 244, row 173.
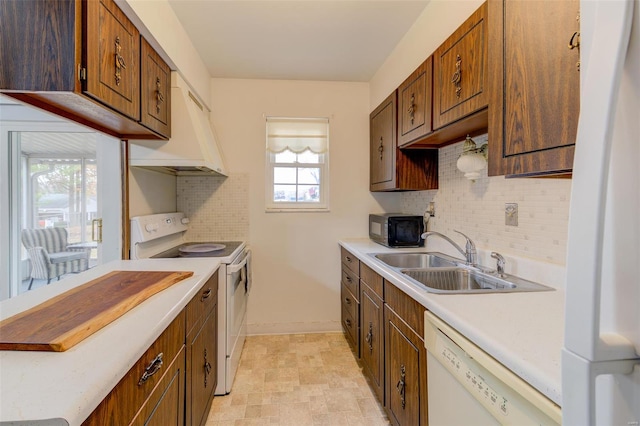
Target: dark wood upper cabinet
column 460, row 71
column 77, row 59
column 155, row 91
column 414, row 116
column 534, row 87
column 113, row 58
column 392, row 169
column 455, row 89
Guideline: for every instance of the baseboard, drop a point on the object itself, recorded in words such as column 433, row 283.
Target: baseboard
column 294, row 328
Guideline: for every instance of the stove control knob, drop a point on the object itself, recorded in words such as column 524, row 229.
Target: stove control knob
column 151, row 227
column 184, row 220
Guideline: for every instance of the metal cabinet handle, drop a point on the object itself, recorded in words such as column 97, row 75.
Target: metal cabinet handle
column 369, row 337
column 347, row 258
column 120, row 63
column 349, row 279
column 412, row 108
column 159, row 95
column 347, row 300
column 456, row 78
column 380, row 150
column 207, row 368
column 151, row 369
column 401, row 385
column 348, row 322
column 205, row 295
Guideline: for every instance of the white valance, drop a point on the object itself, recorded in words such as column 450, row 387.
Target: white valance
column 297, row 134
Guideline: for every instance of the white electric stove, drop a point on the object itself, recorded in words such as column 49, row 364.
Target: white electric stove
column 162, row 236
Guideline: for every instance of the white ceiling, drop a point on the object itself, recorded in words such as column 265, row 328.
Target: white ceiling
column 328, row 40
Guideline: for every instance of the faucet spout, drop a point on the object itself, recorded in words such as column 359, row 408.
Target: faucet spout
column 469, row 252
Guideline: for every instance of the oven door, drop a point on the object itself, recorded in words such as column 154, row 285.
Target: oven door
column 238, row 285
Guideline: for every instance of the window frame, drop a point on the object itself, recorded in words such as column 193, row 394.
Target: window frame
column 322, row 205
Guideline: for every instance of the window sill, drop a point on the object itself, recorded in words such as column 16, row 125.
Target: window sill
column 297, row 210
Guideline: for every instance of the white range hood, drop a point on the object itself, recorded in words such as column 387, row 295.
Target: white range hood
column 193, row 147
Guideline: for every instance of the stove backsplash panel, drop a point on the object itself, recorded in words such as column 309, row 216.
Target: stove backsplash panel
column 217, row 207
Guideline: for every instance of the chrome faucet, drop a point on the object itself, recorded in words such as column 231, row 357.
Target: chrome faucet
column 469, row 252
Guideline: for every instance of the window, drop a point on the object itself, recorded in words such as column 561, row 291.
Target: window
column 297, row 164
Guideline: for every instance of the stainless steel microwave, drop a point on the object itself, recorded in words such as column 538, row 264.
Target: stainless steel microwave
column 396, row 229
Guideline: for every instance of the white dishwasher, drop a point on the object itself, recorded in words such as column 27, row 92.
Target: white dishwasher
column 466, row 386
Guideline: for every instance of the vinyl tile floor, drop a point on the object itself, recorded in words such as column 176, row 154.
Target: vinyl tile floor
column 298, row 379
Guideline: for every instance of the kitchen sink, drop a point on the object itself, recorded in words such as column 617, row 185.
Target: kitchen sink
column 417, row 260
column 467, row 280
column 440, row 273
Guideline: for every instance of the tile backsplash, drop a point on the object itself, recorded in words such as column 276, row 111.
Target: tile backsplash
column 478, row 209
column 217, row 207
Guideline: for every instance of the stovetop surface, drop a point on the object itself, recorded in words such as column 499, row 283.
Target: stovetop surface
column 230, row 247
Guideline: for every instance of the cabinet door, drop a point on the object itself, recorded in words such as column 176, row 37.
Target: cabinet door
column 112, row 46
column 202, row 367
column 406, row 373
column 535, row 87
column 165, row 405
column 382, row 153
column 372, row 349
column 414, row 98
column 460, row 71
column 156, row 91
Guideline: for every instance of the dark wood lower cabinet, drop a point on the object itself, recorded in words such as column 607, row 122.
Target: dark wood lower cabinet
column 406, row 373
column 173, row 383
column 372, row 344
column 202, row 367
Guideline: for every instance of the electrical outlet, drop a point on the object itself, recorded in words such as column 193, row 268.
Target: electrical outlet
column 511, row 214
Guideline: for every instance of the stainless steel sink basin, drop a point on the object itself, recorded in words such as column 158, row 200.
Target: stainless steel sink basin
column 416, row 260
column 465, row 280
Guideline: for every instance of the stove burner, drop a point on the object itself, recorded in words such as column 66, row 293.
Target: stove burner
column 201, row 248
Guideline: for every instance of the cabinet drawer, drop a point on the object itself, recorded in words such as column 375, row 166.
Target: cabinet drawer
column 350, row 327
column 405, row 307
column 373, row 280
column 124, row 401
column 202, row 303
column 165, row 406
column 351, row 281
column 350, row 261
column 349, row 301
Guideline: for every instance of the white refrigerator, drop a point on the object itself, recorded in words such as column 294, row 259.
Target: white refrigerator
column 601, row 354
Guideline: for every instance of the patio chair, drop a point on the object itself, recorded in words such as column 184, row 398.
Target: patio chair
column 51, row 255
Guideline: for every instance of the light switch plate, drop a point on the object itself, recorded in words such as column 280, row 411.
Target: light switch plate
column 511, row 214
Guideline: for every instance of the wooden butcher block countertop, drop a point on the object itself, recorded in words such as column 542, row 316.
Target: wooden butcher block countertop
column 67, row 319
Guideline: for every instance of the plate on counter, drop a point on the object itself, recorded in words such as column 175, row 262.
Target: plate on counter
column 201, row 248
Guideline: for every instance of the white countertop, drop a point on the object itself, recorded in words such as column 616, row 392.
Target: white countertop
column 67, row 386
column 523, row 331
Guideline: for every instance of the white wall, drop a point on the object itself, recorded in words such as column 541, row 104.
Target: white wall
column 296, row 256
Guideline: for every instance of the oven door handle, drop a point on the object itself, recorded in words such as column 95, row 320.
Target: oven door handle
column 233, row 268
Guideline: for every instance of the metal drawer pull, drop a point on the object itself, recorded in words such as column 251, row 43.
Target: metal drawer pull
column 349, row 279
column 151, row 369
column 205, row 295
column 348, row 259
column 347, row 300
column 348, row 322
